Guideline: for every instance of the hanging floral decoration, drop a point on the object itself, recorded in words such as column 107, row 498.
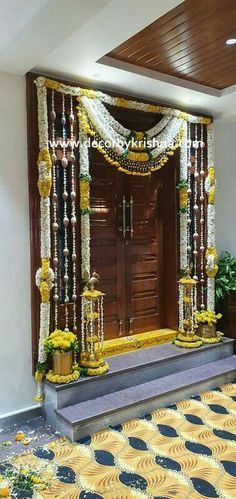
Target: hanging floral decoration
column 183, row 195
column 210, row 191
column 134, row 153
column 211, row 259
column 44, row 275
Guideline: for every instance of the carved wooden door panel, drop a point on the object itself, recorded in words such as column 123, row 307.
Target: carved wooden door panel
column 107, row 245
column 143, row 253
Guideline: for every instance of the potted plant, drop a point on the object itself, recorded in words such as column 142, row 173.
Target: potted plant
column 225, row 292
column 206, row 321
column 225, row 280
column 61, row 345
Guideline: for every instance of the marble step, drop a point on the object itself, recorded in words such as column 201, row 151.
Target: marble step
column 131, row 369
column 79, row 420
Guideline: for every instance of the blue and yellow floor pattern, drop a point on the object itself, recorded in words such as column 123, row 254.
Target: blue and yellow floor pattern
column 185, row 451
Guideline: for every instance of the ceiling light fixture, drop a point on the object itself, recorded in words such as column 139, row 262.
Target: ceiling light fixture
column 231, row 41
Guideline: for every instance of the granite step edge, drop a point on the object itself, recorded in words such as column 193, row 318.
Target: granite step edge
column 84, row 411
column 143, row 361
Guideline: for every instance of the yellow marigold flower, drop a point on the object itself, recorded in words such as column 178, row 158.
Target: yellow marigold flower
column 183, row 197
column 84, row 194
column 44, row 186
column 39, row 398
column 36, row 479
column 5, row 492
column 45, row 292
column 54, row 85
column 138, row 156
column 44, row 155
column 39, row 375
column 19, row 436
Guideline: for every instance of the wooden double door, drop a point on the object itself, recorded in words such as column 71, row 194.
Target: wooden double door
column 133, row 247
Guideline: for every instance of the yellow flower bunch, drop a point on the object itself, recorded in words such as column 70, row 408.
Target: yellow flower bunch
column 5, row 492
column 44, row 291
column 211, row 174
column 205, row 121
column 212, row 195
column 84, row 92
column 91, row 294
column 54, row 85
column 137, row 156
column 211, row 179
column 45, row 156
column 207, row 317
column 61, row 341
column 44, row 186
column 187, row 280
column 84, row 195
column 120, row 102
column 150, row 108
column 183, row 197
column 92, row 315
column 139, row 135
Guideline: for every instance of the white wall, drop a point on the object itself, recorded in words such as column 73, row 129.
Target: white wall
column 225, row 160
column 16, row 382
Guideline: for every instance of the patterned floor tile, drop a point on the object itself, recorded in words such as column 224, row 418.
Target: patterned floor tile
column 186, row 451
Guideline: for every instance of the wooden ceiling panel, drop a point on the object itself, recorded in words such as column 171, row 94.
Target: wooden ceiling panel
column 188, row 42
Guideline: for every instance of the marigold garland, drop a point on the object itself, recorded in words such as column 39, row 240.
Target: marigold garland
column 57, row 378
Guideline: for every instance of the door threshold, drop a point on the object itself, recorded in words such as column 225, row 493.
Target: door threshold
column 126, row 344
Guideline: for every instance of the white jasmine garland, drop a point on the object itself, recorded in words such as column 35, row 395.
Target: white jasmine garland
column 155, row 130
column 83, row 152
column 45, row 238
column 120, row 129
column 85, row 218
column 103, row 128
column 42, row 113
column 210, row 293
column 167, row 136
column 108, row 129
column 45, row 229
column 44, row 329
column 210, row 216
column 85, row 245
column 183, row 222
column 211, row 225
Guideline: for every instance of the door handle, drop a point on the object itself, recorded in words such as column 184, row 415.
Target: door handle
column 123, row 228
column 131, row 216
column 131, row 325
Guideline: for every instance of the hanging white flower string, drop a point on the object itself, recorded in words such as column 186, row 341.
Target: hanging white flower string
column 73, row 217
column 54, row 211
column 202, row 199
column 189, row 218
column 195, row 215
column 64, row 162
column 210, row 218
column 183, row 221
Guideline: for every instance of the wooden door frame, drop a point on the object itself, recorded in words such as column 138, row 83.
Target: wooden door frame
column 34, row 205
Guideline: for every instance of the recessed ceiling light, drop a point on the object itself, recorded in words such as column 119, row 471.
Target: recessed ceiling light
column 231, row 41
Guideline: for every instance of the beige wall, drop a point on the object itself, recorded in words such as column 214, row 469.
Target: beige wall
column 16, row 382
column 225, row 160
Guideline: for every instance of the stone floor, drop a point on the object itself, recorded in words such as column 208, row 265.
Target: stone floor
column 37, row 431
